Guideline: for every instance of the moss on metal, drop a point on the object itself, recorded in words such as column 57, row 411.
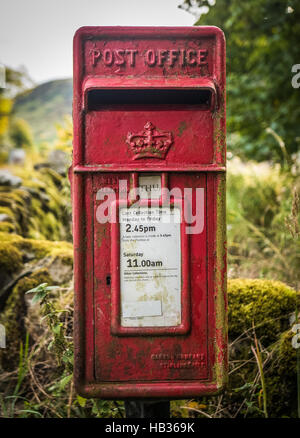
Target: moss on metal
column 220, row 278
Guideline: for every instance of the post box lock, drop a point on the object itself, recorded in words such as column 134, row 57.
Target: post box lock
column 148, row 190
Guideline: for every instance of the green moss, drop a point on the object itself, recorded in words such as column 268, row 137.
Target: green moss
column 268, row 304
column 13, row 317
column 17, row 246
column 38, row 208
column 7, row 227
column 10, row 238
column 7, row 211
column 44, row 248
column 10, row 258
column 55, row 177
column 65, row 255
column 281, row 378
column 265, row 303
column 286, row 355
column 15, row 203
column 52, row 225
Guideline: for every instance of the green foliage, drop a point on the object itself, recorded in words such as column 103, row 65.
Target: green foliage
column 64, row 132
column 10, row 258
column 262, row 361
column 262, row 371
column 56, row 397
column 13, row 317
column 259, row 314
column 5, row 110
column 259, row 203
column 49, row 262
column 62, row 348
column 20, row 134
column 8, row 403
column 15, row 82
column 41, row 292
column 59, row 345
column 262, row 46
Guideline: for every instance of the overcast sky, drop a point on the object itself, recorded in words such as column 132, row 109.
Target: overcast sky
column 38, row 34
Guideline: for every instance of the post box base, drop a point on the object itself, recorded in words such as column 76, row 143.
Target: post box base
column 147, row 409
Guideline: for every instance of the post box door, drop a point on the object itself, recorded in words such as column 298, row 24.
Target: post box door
column 150, row 342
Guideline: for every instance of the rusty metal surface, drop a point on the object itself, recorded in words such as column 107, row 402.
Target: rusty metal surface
column 185, row 144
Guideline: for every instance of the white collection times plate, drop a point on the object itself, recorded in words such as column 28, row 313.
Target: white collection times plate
column 150, row 266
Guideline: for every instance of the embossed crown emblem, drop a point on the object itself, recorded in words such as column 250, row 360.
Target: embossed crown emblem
column 149, row 143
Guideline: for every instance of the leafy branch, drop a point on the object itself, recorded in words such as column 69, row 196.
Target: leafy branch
column 59, row 345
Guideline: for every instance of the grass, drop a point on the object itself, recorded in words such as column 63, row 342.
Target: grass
column 259, row 201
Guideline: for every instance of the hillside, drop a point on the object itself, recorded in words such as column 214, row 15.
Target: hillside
column 44, row 106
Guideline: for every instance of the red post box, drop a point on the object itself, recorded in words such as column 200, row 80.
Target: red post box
column 148, row 184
